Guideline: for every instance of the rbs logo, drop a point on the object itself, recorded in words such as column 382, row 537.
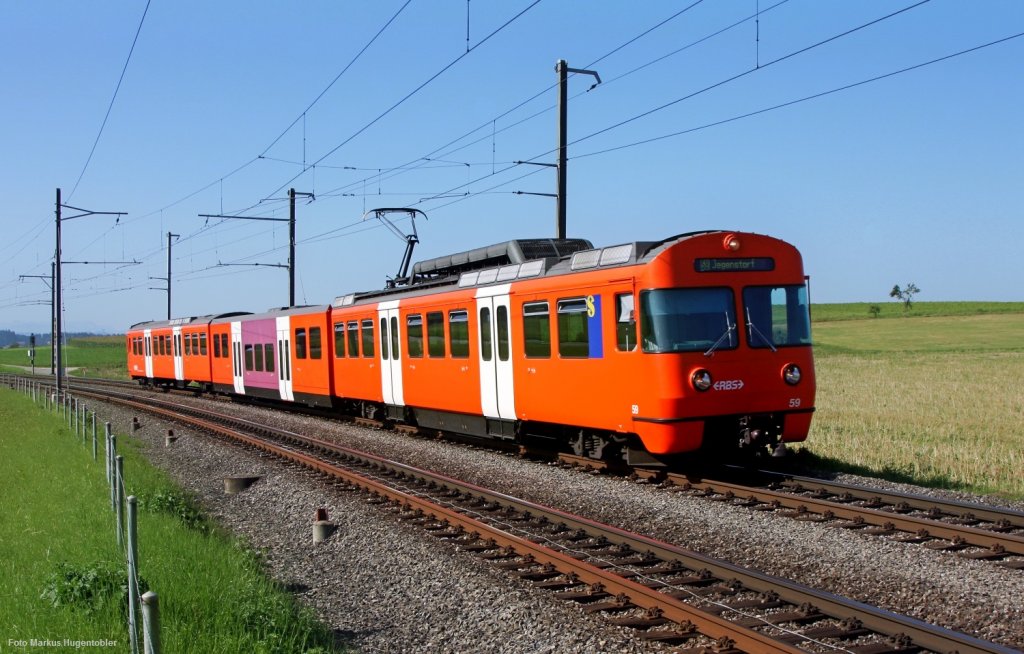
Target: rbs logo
column 728, row 385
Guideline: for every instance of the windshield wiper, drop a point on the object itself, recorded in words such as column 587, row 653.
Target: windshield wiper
column 728, row 330
column 754, row 329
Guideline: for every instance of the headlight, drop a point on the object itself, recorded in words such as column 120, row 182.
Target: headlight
column 701, row 380
column 791, row 374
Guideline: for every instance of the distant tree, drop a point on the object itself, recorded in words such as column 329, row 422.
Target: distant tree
column 874, row 310
column 905, row 295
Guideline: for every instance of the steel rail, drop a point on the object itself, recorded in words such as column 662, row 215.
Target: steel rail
column 1000, row 544
column 922, row 634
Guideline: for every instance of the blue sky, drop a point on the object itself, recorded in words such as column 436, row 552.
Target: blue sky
column 916, row 177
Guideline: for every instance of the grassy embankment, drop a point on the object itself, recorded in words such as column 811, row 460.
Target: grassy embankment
column 932, row 398
column 63, row 572
column 95, row 356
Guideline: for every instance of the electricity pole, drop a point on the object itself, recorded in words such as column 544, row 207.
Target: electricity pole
column 563, row 70
column 49, row 283
column 57, row 335
column 291, row 239
column 168, row 278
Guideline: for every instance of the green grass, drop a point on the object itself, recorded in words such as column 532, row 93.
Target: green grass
column 891, row 309
column 931, row 400
column 95, row 356
column 61, row 566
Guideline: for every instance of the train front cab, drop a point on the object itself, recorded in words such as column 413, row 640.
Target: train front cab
column 724, row 326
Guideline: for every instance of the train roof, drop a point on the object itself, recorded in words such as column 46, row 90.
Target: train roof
column 179, row 322
column 273, row 312
column 518, row 259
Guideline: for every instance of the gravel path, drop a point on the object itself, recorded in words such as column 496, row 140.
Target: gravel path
column 350, row 579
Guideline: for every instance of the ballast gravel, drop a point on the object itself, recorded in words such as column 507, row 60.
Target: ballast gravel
column 385, row 586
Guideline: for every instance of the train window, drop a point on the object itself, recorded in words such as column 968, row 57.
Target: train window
column 435, row 334
column 149, row 345
column 367, row 334
column 458, row 333
column 202, row 344
column 216, row 346
column 537, row 329
column 777, row 316
column 160, row 345
column 248, row 357
column 268, row 356
column 188, row 344
column 258, row 358
column 625, row 323
column 573, row 328
column 414, row 335
column 485, row 333
column 224, row 345
column 280, row 353
column 300, row 343
column 687, row 320
column 339, row 340
column 394, row 338
column 384, row 338
column 353, row 338
column 501, row 314
column 315, row 348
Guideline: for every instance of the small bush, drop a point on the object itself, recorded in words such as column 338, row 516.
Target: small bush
column 181, row 505
column 89, row 587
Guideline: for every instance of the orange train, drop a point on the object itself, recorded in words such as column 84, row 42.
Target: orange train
column 634, row 352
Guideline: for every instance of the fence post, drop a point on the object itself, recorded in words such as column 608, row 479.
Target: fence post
column 113, row 471
column 106, row 448
column 119, row 495
column 151, row 622
column 133, row 572
column 93, row 435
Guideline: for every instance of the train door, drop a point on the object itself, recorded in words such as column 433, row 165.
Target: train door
column 179, row 363
column 495, row 352
column 390, row 353
column 284, row 357
column 148, row 344
column 236, row 357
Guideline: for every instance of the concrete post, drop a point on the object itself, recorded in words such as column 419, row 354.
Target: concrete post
column 151, row 622
column 133, row 572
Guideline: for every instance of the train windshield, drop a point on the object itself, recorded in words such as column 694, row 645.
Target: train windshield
column 777, row 316
column 688, row 320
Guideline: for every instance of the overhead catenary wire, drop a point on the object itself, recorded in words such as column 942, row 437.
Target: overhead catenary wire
column 111, row 105
column 807, row 98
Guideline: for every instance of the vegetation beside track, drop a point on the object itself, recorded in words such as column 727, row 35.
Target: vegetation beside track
column 64, row 572
column 933, row 401
column 92, row 356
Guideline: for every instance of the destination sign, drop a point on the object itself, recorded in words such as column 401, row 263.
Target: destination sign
column 751, row 264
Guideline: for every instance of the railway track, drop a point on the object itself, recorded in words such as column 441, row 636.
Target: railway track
column 668, row 594
column 970, row 530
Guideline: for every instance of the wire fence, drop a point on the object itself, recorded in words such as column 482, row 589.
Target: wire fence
column 80, row 420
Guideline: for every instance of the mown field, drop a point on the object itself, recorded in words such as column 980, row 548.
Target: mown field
column 63, row 572
column 928, row 398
